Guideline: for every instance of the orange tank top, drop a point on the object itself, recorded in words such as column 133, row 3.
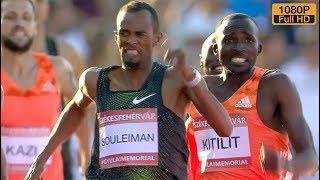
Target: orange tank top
column 27, row 118
column 235, row 157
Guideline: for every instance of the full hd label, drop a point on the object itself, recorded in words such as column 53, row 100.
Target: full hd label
column 294, row 13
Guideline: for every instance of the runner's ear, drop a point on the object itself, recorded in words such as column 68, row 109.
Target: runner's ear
column 215, row 49
column 157, row 38
column 201, row 64
column 115, row 35
column 259, row 48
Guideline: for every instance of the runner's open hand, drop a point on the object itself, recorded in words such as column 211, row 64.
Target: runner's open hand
column 176, row 58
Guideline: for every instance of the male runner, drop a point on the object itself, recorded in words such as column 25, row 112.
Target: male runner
column 140, row 132
column 33, row 84
column 209, row 62
column 265, row 110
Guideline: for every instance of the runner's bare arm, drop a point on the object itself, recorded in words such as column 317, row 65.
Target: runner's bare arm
column 70, row 118
column 206, row 103
column 85, row 130
column 68, row 84
column 3, row 166
column 85, row 134
column 304, row 160
column 210, row 108
column 3, row 157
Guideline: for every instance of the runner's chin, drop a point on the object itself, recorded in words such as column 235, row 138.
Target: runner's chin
column 131, row 64
column 239, row 68
column 130, row 61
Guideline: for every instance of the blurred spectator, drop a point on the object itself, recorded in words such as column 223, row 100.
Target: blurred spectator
column 98, row 30
column 65, row 21
column 89, row 8
column 52, row 44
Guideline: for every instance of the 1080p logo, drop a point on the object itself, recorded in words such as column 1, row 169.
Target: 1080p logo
column 294, row 13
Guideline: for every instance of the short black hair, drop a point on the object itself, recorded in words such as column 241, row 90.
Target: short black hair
column 136, row 6
column 30, row 1
column 230, row 17
column 235, row 16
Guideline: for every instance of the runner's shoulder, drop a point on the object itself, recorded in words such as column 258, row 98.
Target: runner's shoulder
column 88, row 81
column 90, row 76
column 275, row 79
column 61, row 65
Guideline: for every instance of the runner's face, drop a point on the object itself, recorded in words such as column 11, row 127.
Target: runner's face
column 135, row 37
column 209, row 62
column 238, row 46
column 18, row 25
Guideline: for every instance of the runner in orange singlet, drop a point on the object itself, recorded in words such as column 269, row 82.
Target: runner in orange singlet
column 210, row 65
column 266, row 112
column 56, row 46
column 27, row 119
column 3, row 156
column 33, row 84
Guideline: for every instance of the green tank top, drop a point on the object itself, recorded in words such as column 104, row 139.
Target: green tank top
column 170, row 133
column 51, row 46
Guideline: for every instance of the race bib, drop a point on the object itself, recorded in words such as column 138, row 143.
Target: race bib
column 22, row 145
column 217, row 153
column 128, row 137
